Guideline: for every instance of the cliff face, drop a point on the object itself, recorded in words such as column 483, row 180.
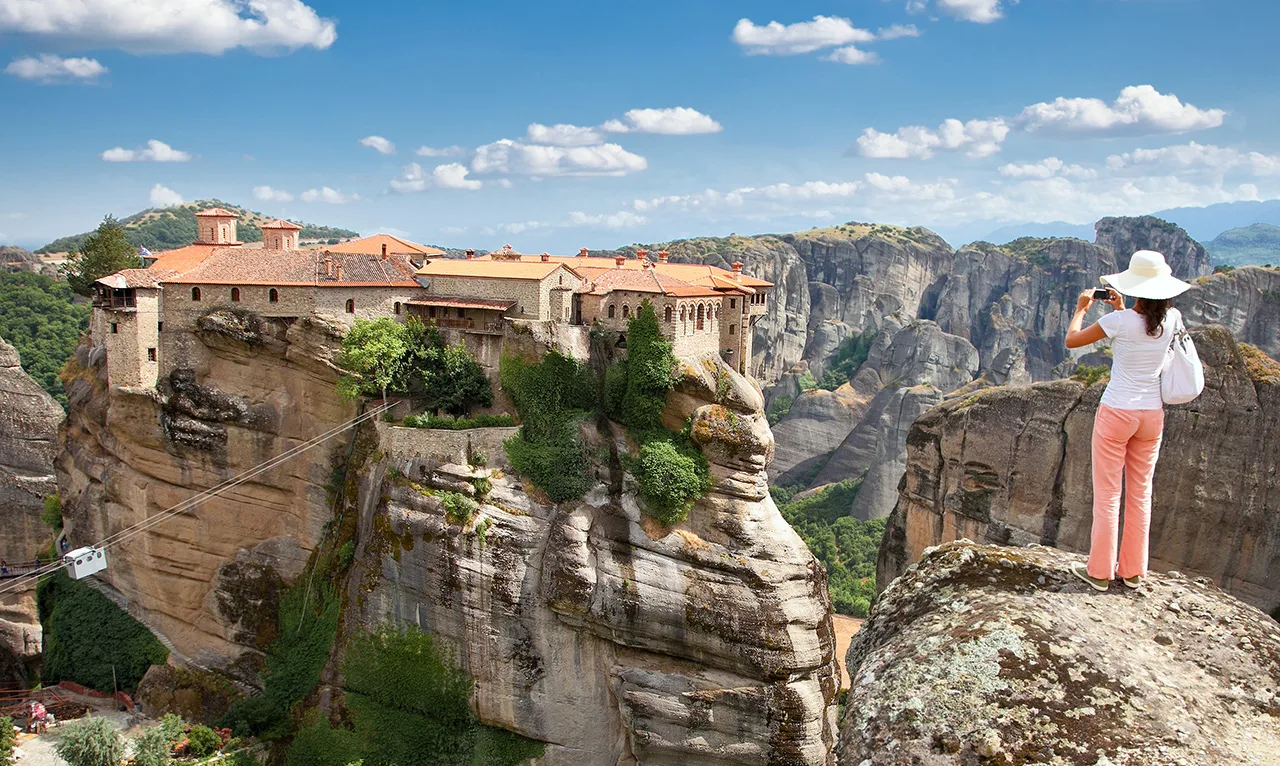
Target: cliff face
column 29, row 420
column 1126, row 236
column 585, row 625
column 1012, row 465
column 992, row 655
column 1246, row 301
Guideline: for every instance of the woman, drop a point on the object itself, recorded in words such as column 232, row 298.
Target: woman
column 1130, row 419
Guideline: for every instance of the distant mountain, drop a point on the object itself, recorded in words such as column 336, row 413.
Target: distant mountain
column 1253, row 245
column 1056, row 229
column 169, row 227
column 1205, row 223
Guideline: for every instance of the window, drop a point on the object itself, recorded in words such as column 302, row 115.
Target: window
column 701, row 314
column 462, row 313
column 195, row 293
column 671, row 312
column 273, row 295
column 159, row 326
column 562, row 279
column 397, row 308
column 431, row 312
column 151, row 355
column 351, row 305
column 610, row 312
column 733, row 303
column 733, row 329
column 235, row 295
column 626, row 311
column 115, row 328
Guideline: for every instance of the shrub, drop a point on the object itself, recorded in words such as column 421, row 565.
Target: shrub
column 483, row 486
column 346, row 554
column 650, row 372
column 779, row 408
column 458, row 508
column 453, row 381
column 90, row 640
column 152, row 748
column 316, row 744
column 806, row 381
column 202, row 741
column 8, row 740
column 670, row 479
column 173, row 727
column 849, row 356
column 51, row 515
column 1090, row 374
column 478, row 458
column 90, row 742
column 551, row 395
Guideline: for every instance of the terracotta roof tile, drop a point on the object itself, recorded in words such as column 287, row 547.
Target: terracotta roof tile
column 450, row 267
column 183, row 258
column 279, row 224
column 373, row 245
column 695, row 273
column 218, row 212
column 239, row 266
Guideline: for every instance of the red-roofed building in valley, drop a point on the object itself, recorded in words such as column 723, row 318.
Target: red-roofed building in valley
column 144, row 317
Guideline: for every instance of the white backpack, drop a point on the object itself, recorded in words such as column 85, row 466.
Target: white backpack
column 1182, row 378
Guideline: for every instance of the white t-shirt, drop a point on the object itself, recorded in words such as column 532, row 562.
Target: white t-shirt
column 1137, row 359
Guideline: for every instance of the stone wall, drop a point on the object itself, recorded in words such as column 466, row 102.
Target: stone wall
column 532, row 296
column 446, row 446
column 132, row 339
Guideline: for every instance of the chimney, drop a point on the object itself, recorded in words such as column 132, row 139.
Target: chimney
column 384, row 251
column 642, row 254
column 470, row 254
column 646, row 264
column 662, row 256
column 583, row 252
column 620, row 260
column 545, row 257
column 737, row 270
column 337, row 271
column 328, row 264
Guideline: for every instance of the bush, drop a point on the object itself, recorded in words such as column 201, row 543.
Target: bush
column 173, row 727
column 458, row 508
column 849, row 356
column 90, row 742
column 316, row 744
column 453, row 381
column 86, row 637
column 806, row 381
column 51, row 515
column 551, row 395
column 1090, row 374
column 152, row 748
column 346, row 554
column 8, row 740
column 670, row 479
column 650, row 372
column 779, row 408
column 202, row 741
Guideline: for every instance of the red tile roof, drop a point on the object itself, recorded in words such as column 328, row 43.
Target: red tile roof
column 451, row 267
column 136, row 278
column 604, row 281
column 373, row 245
column 240, row 266
column 183, row 258
column 217, row 212
column 694, row 273
column 278, row 224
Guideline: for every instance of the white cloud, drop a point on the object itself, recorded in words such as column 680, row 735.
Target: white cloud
column 806, row 191
column 978, row 11
column 446, row 151
column 1138, row 110
column 156, row 151
column 978, row 138
column 520, row 227
column 48, row 68
column 164, row 26
column 325, row 194
column 507, row 157
column 1198, row 156
column 852, row 55
column 1046, row 168
column 776, row 39
column 413, row 178
column 378, row 144
column 622, row 219
column 896, row 31
column 563, row 135
column 163, row 196
column 673, row 121
column 267, row 194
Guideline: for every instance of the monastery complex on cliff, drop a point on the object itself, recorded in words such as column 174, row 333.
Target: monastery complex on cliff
column 144, row 317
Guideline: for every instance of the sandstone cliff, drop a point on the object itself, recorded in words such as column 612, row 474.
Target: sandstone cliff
column 995, row 655
column 1246, row 301
column 29, row 420
column 1126, row 236
column 1012, row 465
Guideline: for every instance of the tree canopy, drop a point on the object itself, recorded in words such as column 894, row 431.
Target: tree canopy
column 38, row 317
column 104, row 252
column 384, row 356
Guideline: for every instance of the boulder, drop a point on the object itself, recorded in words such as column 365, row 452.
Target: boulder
column 985, row 654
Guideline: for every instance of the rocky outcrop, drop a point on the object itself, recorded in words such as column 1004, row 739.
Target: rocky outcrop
column 1245, row 300
column 29, row 420
column 1126, row 236
column 14, row 258
column 1012, row 465
column 591, row 627
column 995, row 655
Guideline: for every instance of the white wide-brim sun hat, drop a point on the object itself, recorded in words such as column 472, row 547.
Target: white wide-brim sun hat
column 1148, row 276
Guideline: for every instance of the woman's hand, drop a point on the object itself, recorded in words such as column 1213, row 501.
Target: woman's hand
column 1085, row 300
column 1116, row 301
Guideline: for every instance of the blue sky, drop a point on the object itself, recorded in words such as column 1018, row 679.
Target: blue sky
column 682, row 118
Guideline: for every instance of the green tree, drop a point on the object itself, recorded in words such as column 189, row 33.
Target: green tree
column 552, row 396
column 106, row 251
column 670, row 479
column 650, row 369
column 90, row 742
column 152, row 748
column 38, row 317
column 374, row 354
column 453, row 381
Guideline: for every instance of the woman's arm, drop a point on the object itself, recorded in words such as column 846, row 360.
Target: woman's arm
column 1077, row 337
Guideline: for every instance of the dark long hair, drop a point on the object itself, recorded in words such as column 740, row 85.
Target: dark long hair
column 1153, row 312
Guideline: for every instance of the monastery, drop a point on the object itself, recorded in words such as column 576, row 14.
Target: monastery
column 144, row 318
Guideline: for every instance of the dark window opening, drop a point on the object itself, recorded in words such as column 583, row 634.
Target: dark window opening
column 115, row 328
column 351, row 305
column 273, row 295
column 670, row 313
column 195, row 293
column 610, row 312
column 397, row 308
column 626, row 311
column 151, row 355
column 701, row 314
column 462, row 313
column 733, row 329
column 733, row 303
column 159, row 326
column 235, row 295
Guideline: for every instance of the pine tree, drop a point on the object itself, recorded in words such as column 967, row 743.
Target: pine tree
column 106, row 251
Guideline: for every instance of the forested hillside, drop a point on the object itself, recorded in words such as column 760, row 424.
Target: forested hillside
column 38, row 318
column 1254, row 245
column 166, row 228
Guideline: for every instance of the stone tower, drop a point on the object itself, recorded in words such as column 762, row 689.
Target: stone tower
column 216, row 226
column 280, row 235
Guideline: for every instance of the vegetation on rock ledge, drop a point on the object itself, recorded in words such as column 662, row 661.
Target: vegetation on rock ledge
column 846, row 546
column 552, row 396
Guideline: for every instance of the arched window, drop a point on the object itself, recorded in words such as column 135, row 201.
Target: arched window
column 351, row 305
column 610, row 311
column 397, row 308
column 733, row 329
column 701, row 314
column 671, row 312
column 235, row 295
column 626, row 311
column 273, row 295
column 195, row 293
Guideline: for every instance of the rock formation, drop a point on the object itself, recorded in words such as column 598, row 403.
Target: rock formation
column 995, row 655
column 1245, row 300
column 1126, row 236
column 1012, row 465
column 29, row 420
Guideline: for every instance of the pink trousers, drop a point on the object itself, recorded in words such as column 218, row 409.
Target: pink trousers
column 1125, row 443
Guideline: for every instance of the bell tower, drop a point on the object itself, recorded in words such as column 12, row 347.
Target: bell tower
column 280, row 235
column 216, row 226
